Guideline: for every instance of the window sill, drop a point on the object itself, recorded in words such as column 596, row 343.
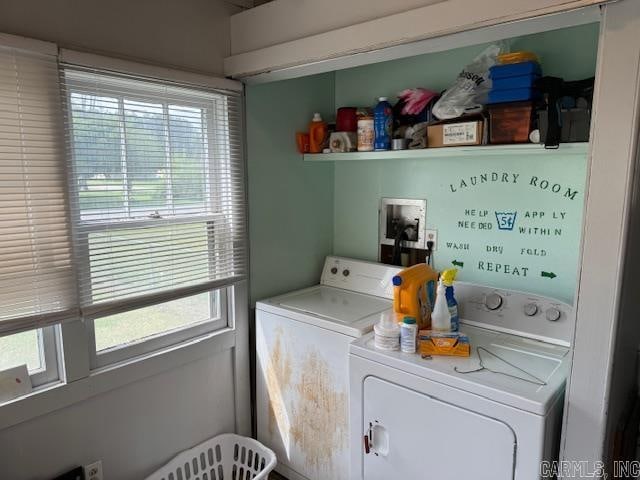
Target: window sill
column 57, row 395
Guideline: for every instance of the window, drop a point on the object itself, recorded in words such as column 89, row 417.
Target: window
column 140, row 324
column 34, row 348
column 122, row 215
column 158, row 209
column 21, row 348
column 37, row 285
column 135, row 158
column 135, row 332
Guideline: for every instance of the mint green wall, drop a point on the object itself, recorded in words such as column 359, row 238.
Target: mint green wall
column 359, row 186
column 512, row 259
column 290, row 202
column 299, row 212
column 569, row 53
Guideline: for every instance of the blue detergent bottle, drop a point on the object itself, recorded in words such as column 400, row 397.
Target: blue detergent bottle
column 382, row 124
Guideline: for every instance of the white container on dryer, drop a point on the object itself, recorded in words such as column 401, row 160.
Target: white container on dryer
column 446, row 417
column 302, row 352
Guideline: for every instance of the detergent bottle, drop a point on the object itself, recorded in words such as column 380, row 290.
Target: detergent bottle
column 383, row 124
column 413, row 294
column 448, row 277
column 441, row 318
column 317, row 134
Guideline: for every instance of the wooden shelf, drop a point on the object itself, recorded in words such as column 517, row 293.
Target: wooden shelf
column 447, row 152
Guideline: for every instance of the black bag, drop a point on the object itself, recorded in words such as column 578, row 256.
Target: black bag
column 555, row 88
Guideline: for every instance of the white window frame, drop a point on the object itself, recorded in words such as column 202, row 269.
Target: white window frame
column 143, row 346
column 48, row 342
column 208, row 128
column 80, row 383
column 49, row 347
column 161, row 340
column 74, row 380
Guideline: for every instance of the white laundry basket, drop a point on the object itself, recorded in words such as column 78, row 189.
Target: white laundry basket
column 225, row 457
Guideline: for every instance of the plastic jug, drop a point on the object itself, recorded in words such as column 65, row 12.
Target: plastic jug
column 414, row 292
column 383, row 124
column 317, row 134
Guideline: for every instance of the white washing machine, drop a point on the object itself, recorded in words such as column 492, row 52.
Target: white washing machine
column 450, row 418
column 302, row 344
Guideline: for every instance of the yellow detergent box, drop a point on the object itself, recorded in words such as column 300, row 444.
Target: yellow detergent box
column 444, row 343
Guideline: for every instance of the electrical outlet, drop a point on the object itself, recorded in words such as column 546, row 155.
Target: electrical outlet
column 431, row 235
column 93, row 471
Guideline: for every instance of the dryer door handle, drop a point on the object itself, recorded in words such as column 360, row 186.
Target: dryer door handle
column 376, row 439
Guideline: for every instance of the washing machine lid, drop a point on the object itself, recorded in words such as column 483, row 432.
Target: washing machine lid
column 337, row 309
column 520, row 372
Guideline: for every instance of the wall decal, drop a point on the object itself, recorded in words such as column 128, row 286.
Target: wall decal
column 509, row 221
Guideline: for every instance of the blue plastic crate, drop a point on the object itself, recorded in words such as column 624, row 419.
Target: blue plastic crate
column 513, row 95
column 521, row 81
column 514, row 70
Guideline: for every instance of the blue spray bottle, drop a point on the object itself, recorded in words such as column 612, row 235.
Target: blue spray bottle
column 448, row 276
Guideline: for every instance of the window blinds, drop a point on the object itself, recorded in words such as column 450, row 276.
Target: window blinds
column 37, row 284
column 157, row 188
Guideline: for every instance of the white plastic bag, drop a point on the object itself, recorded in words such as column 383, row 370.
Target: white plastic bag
column 469, row 92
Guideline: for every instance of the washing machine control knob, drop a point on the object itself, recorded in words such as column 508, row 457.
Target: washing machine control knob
column 493, row 301
column 553, row 314
column 530, row 309
column 334, row 270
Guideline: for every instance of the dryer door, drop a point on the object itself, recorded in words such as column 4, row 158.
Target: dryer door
column 411, row 435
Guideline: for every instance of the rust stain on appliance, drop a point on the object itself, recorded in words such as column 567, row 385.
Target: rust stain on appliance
column 278, row 380
column 319, row 418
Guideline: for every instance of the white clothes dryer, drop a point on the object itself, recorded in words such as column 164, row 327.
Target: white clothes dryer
column 495, row 415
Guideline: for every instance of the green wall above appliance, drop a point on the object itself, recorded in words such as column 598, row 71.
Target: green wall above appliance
column 541, row 253
column 301, row 211
column 569, row 53
column 290, row 203
column 509, row 222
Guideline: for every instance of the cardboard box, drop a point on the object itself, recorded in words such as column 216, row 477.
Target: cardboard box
column 443, row 343
column 456, row 134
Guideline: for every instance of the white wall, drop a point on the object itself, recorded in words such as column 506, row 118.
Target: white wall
column 190, row 34
column 136, row 428
column 290, row 33
column 293, row 19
